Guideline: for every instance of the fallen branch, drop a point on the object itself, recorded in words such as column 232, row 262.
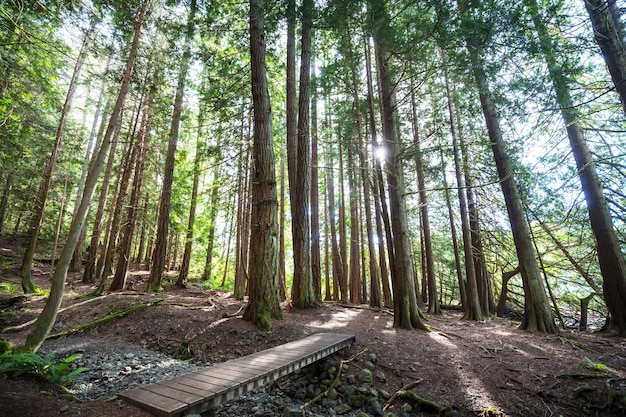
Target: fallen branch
column 426, row 405
column 105, row 319
column 335, row 381
column 82, row 303
column 400, row 392
column 582, row 375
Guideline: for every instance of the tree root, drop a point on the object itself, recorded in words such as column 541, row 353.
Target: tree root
column 400, row 392
column 334, row 383
column 107, row 318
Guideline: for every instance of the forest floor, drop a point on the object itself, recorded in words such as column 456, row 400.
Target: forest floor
column 487, row 368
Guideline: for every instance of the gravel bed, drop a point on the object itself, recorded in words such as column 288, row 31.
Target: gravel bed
column 116, row 367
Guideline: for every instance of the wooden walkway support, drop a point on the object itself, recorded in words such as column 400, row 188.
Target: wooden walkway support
column 203, row 390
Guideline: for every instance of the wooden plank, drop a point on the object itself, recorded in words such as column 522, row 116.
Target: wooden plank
column 202, row 390
column 154, row 403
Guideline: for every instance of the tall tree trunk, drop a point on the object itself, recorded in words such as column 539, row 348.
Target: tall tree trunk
column 433, row 299
column 264, row 301
column 8, row 184
column 214, row 201
column 355, row 242
column 316, row 261
column 282, row 268
column 104, row 267
column 343, row 234
column 44, row 189
column 380, row 205
column 453, row 233
column 243, row 241
column 42, row 326
column 142, row 236
column 608, row 31
column 610, row 256
column 406, row 313
column 375, row 295
column 160, row 246
column 77, row 259
column 123, row 256
column 302, row 294
column 537, row 313
column 185, row 263
column 337, row 263
column 89, row 274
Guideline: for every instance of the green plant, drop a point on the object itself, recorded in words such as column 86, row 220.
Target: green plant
column 9, row 287
column 598, row 366
column 55, row 372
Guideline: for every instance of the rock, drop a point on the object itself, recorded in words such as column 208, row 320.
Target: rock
column 342, row 409
column 351, row 379
column 365, row 376
column 370, row 365
column 380, row 376
column 349, row 389
column 362, row 414
column 373, row 357
column 384, row 394
column 374, row 407
column 332, row 394
column 356, row 400
column 292, row 411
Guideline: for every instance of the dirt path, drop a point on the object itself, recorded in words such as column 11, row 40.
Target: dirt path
column 487, row 368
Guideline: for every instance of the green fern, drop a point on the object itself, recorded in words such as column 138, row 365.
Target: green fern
column 58, row 373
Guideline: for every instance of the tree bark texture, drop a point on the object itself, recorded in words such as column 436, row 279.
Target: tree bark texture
column 264, row 300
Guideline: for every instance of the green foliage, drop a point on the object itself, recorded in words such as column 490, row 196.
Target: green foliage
column 58, row 373
column 9, row 287
column 598, row 366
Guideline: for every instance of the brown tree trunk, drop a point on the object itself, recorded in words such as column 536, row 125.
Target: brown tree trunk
column 104, row 267
column 128, row 229
column 471, row 310
column 302, row 294
column 380, row 205
column 243, row 238
column 263, row 305
column 338, row 271
column 186, row 261
column 537, row 313
column 42, row 326
column 433, row 299
column 316, row 261
column 160, row 246
column 44, row 189
column 343, row 229
column 282, row 268
column 355, row 242
column 608, row 31
column 89, row 274
column 77, row 259
column 406, row 313
column 610, row 256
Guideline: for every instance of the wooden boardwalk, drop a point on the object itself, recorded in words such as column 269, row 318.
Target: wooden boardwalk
column 203, row 390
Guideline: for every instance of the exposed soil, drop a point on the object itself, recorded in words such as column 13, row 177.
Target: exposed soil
column 487, row 368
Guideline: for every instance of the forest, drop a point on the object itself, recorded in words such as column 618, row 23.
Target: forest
column 409, row 156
